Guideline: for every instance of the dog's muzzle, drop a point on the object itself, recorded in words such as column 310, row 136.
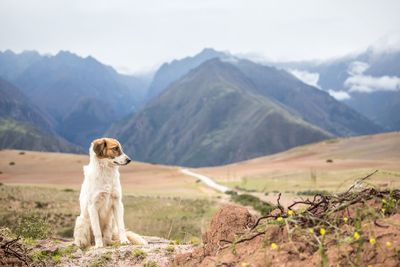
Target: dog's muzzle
column 122, row 161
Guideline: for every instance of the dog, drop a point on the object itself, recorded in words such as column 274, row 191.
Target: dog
column 102, row 212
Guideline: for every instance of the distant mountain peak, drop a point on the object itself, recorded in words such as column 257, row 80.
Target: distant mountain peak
column 172, row 71
column 210, row 52
column 66, row 53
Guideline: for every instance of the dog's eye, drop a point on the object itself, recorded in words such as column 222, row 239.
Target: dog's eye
column 116, row 149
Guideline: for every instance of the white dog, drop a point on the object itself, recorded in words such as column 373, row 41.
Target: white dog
column 102, row 212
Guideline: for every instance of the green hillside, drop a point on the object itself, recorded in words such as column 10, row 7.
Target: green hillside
column 22, row 135
column 213, row 115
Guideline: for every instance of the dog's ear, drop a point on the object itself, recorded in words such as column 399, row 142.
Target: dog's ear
column 99, row 147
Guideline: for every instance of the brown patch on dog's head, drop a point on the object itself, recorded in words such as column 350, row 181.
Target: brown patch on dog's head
column 106, row 148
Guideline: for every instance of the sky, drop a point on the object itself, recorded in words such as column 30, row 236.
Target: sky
column 137, row 36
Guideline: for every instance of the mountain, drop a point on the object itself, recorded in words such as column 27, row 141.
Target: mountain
column 170, row 72
column 24, row 126
column 81, row 95
column 370, row 79
column 21, row 135
column 213, row 115
column 313, row 105
column 12, row 64
column 14, row 105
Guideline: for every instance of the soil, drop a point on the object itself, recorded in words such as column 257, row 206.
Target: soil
column 282, row 245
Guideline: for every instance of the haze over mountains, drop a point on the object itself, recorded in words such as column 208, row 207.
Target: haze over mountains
column 23, row 125
column 369, row 82
column 209, row 109
column 81, row 95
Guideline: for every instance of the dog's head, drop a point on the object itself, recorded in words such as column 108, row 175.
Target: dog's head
column 110, row 150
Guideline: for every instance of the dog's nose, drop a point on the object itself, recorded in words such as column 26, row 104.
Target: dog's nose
column 128, row 160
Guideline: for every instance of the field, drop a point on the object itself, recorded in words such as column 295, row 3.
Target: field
column 168, row 217
column 159, row 200
column 330, row 165
column 65, row 171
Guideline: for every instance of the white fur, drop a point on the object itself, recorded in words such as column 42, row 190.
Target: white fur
column 102, row 211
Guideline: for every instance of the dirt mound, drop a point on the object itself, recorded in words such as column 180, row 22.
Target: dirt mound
column 226, row 226
column 226, row 223
column 355, row 228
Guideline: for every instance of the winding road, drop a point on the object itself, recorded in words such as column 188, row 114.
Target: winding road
column 207, row 180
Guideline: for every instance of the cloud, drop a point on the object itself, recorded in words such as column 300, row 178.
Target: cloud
column 369, row 84
column 310, row 78
column 339, row 95
column 357, row 68
column 387, row 44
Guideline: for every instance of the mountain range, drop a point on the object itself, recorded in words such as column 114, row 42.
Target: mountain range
column 228, row 109
column 209, row 109
column 369, row 82
column 25, row 126
column 81, row 96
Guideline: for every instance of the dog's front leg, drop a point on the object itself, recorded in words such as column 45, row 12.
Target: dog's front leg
column 94, row 221
column 118, row 209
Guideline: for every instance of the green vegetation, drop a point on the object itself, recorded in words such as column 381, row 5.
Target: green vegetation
column 102, row 260
column 170, row 249
column 150, row 264
column 53, row 257
column 253, row 201
column 139, row 254
column 33, row 226
column 23, row 134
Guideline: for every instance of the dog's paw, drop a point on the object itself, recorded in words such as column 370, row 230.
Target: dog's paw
column 124, row 241
column 142, row 241
column 99, row 245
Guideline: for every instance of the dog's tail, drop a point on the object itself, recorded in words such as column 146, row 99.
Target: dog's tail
column 135, row 238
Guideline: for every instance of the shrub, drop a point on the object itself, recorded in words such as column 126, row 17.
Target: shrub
column 139, row 254
column 102, row 260
column 33, row 226
column 150, row 264
column 68, row 190
column 170, row 249
column 231, row 192
column 255, row 202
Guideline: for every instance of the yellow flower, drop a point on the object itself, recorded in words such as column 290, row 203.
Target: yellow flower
column 372, row 241
column 356, row 235
column 290, row 212
column 369, row 266
column 383, row 210
column 322, row 231
column 244, row 264
column 311, row 230
column 274, row 246
column 384, row 200
column 279, row 219
column 388, row 244
column 345, row 219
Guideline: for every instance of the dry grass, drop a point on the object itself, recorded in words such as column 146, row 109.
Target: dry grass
column 65, row 170
column 331, row 165
column 168, row 217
